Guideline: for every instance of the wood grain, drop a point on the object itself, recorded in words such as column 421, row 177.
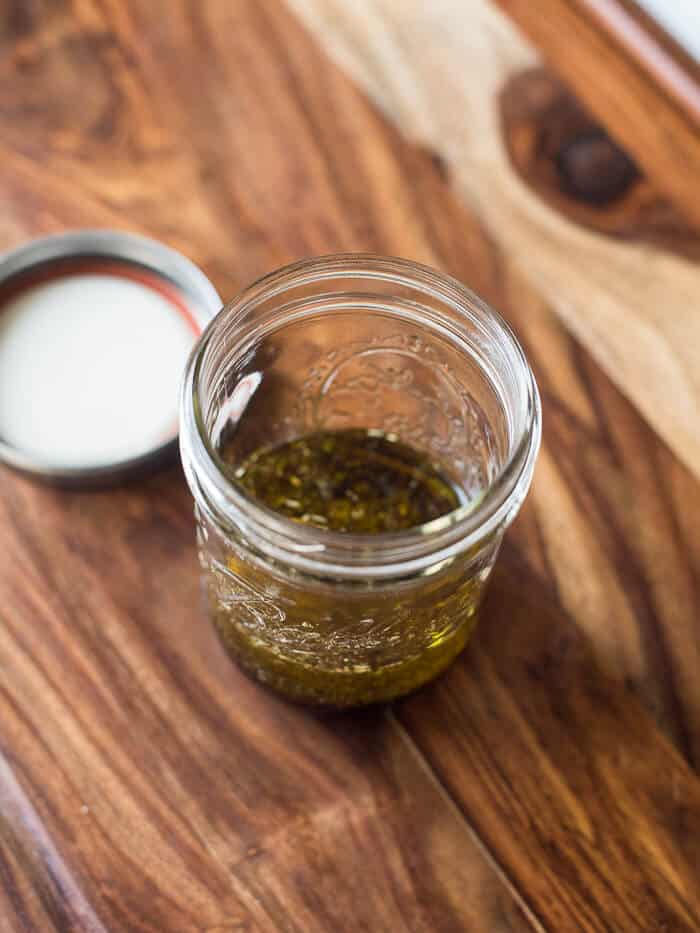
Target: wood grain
column 591, row 808
column 624, row 70
column 573, row 164
column 612, row 520
column 149, row 786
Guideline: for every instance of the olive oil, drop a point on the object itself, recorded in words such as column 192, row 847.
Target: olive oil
column 356, row 481
column 340, row 643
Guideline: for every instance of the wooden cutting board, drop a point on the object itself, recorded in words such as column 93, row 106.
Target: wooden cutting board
column 548, row 781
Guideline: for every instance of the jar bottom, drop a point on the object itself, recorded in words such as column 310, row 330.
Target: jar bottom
column 340, row 688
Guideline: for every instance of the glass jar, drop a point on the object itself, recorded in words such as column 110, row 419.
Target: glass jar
column 355, row 341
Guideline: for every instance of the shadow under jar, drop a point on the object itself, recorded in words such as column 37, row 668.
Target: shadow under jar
column 407, row 354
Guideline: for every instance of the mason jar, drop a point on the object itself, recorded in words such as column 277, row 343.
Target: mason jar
column 386, row 345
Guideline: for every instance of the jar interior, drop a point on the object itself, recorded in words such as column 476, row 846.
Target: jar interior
column 334, row 362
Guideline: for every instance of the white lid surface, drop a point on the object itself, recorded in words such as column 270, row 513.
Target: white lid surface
column 90, row 367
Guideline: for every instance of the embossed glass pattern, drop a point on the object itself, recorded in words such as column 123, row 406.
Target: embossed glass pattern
column 355, row 341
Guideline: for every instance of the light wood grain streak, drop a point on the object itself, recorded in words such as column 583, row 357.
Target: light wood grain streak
column 637, row 42
column 24, row 839
column 631, row 307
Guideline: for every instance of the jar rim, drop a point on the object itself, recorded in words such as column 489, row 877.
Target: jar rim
column 322, row 552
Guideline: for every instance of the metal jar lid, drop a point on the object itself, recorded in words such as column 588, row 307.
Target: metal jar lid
column 114, row 253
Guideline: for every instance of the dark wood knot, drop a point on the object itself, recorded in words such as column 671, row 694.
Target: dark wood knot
column 594, row 169
column 561, row 152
